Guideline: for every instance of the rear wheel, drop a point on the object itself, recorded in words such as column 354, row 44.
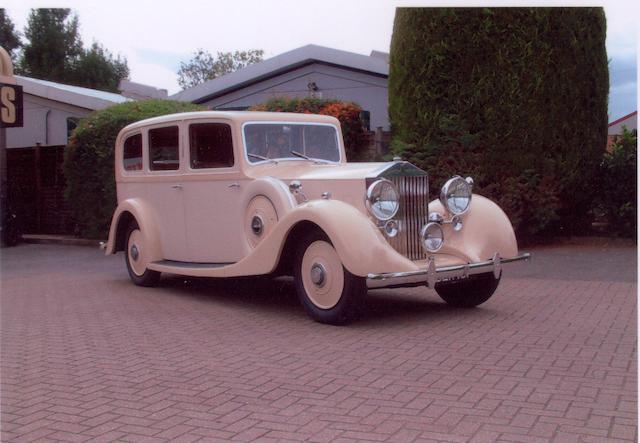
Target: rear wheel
column 470, row 292
column 136, row 259
column 327, row 291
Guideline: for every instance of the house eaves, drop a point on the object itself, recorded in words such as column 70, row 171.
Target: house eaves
column 73, row 95
column 621, row 119
column 281, row 64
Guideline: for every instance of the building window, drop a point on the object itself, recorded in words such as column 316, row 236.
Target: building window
column 365, row 118
column 132, row 153
column 210, row 145
column 164, row 154
column 232, row 108
column 72, row 123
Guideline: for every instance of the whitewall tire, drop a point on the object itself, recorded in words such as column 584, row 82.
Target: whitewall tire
column 136, row 258
column 327, row 291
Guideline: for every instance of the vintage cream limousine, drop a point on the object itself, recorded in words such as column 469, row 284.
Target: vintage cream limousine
column 228, row 194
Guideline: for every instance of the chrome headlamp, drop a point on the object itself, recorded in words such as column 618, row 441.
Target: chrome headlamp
column 432, row 236
column 382, row 199
column 455, row 195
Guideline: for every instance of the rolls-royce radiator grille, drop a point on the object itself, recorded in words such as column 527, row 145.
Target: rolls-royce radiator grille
column 412, row 215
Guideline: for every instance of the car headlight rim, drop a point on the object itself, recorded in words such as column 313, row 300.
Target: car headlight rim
column 447, row 193
column 373, row 201
column 432, row 231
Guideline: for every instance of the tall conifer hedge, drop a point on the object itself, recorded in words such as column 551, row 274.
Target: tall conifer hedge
column 516, row 97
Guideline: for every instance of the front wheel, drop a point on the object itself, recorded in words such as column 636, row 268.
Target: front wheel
column 470, row 292
column 327, row 291
column 135, row 257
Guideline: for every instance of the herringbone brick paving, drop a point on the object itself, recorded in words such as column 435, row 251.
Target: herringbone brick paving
column 87, row 356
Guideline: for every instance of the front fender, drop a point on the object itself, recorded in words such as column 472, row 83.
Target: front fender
column 359, row 243
column 486, row 229
column 144, row 216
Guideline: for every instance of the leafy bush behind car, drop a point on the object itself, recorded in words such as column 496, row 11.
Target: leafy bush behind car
column 515, row 97
column 89, row 161
column 347, row 113
column 618, row 190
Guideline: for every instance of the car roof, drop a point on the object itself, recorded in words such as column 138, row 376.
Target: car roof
column 237, row 116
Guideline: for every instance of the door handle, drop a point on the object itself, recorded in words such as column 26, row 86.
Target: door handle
column 234, row 185
column 177, row 186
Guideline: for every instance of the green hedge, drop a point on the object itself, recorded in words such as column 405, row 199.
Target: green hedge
column 516, row 97
column 618, row 188
column 347, row 113
column 89, row 161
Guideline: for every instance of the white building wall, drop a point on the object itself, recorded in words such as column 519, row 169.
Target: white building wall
column 45, row 123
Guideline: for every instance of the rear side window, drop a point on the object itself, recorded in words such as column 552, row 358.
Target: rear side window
column 163, row 149
column 210, row 145
column 132, row 153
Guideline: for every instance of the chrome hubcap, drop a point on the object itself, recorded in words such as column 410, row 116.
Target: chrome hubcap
column 318, row 274
column 257, row 225
column 134, row 252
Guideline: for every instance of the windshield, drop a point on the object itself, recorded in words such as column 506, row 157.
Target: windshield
column 266, row 141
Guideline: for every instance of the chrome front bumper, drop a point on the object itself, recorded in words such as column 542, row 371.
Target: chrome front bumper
column 433, row 275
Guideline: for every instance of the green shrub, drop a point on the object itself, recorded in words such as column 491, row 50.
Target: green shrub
column 516, row 97
column 618, row 193
column 347, row 113
column 89, row 161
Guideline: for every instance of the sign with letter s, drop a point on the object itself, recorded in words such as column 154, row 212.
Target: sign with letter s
column 11, row 106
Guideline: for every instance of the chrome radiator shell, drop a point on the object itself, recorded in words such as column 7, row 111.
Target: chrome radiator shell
column 412, row 215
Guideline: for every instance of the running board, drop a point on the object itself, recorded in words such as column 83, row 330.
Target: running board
column 190, row 268
column 186, row 264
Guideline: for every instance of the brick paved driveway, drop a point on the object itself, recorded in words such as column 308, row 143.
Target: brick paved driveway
column 88, row 356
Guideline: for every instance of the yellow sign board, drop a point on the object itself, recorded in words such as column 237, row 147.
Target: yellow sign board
column 11, row 106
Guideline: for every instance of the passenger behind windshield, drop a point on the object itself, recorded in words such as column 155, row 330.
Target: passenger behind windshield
column 285, row 141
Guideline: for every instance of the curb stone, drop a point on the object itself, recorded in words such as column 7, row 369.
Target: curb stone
column 60, row 240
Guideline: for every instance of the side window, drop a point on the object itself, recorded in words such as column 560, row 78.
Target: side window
column 164, row 154
column 210, row 145
column 132, row 153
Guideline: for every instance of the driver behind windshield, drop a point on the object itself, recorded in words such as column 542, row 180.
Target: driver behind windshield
column 279, row 147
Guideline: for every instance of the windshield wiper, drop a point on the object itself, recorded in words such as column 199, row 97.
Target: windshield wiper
column 261, row 157
column 301, row 155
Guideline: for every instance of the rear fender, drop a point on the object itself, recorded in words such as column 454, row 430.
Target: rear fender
column 144, row 217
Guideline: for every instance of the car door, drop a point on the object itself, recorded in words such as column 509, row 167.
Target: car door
column 164, row 189
column 214, row 217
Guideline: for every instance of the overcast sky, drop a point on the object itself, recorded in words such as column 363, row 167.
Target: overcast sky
column 155, row 36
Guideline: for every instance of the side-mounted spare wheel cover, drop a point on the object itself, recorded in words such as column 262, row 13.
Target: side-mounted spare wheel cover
column 259, row 220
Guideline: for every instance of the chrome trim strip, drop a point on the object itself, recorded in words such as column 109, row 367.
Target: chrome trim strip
column 432, row 275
